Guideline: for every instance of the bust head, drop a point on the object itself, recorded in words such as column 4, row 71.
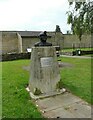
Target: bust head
column 43, row 36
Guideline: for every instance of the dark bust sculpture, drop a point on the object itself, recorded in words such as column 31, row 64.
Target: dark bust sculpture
column 43, row 38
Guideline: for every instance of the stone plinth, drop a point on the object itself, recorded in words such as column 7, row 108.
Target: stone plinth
column 44, row 73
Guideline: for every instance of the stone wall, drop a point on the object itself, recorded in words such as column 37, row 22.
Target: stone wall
column 15, row 56
column 20, row 43
column 72, row 40
column 9, row 42
column 29, row 42
column 13, row 42
column 59, row 39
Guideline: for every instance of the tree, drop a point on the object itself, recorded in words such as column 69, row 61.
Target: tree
column 58, row 28
column 81, row 18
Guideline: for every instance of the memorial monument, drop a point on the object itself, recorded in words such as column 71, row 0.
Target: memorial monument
column 44, row 72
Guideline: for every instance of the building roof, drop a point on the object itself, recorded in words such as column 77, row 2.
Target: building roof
column 32, row 33
column 29, row 33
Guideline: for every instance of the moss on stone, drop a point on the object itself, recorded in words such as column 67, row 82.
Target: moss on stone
column 37, row 91
column 59, row 85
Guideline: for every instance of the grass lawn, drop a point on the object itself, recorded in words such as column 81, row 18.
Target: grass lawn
column 77, row 78
column 16, row 101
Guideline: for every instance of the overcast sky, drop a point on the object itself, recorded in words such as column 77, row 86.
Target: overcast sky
column 34, row 15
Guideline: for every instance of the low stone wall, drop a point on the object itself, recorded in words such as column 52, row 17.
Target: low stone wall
column 15, row 56
column 80, row 52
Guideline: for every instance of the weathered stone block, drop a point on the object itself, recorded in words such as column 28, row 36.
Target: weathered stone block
column 44, row 73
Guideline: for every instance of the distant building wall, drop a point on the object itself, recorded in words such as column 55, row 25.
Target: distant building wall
column 0, row 43
column 29, row 42
column 73, row 41
column 20, row 48
column 59, row 39
column 13, row 42
column 9, row 42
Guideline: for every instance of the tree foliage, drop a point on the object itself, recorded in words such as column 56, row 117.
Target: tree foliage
column 58, row 28
column 81, row 18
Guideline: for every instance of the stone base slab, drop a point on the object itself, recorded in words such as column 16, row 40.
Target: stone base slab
column 46, row 95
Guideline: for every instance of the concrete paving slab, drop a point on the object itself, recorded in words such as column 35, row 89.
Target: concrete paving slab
column 80, row 110
column 48, row 104
column 59, row 113
column 65, row 105
column 57, row 101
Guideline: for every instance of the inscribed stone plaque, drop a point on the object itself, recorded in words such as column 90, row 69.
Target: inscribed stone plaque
column 46, row 61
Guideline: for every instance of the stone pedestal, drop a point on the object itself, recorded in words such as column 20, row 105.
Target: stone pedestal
column 44, row 72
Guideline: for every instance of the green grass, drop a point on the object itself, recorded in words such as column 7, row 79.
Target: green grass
column 78, row 77
column 0, row 90
column 16, row 101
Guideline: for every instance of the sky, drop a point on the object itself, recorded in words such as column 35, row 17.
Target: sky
column 33, row 15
